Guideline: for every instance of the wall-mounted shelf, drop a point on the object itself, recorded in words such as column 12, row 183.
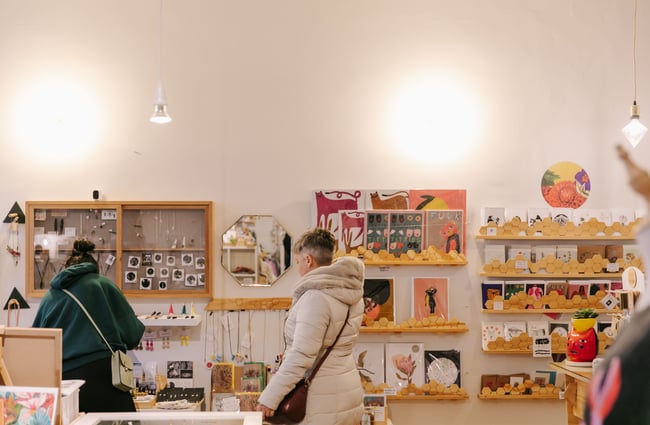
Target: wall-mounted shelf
column 171, row 320
column 519, row 397
column 414, row 397
column 441, row 329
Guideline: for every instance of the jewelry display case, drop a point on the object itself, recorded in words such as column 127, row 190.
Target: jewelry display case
column 149, row 249
column 170, row 417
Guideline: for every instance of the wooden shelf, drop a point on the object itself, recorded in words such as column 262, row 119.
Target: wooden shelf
column 555, row 238
column 171, row 320
column 397, row 262
column 438, row 329
column 234, row 304
column 545, row 310
column 519, row 397
column 554, row 275
column 427, row 397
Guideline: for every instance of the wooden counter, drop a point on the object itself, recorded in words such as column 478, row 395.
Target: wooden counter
column 576, row 390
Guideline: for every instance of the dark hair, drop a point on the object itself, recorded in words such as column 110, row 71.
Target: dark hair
column 320, row 243
column 81, row 250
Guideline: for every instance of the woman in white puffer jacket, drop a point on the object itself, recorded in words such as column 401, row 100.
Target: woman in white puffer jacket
column 321, row 300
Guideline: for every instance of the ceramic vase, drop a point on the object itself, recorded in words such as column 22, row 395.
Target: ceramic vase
column 582, row 342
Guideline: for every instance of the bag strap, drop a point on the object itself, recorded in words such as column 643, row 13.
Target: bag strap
column 327, row 352
column 71, row 295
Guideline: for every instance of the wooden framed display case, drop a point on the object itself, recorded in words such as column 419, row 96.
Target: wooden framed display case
column 149, row 249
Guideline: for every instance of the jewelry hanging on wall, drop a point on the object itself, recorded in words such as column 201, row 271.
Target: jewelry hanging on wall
column 13, row 246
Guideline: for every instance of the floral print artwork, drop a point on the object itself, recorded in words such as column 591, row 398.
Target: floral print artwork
column 565, row 185
column 404, row 364
column 26, row 405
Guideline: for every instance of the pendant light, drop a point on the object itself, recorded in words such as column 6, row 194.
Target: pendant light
column 634, row 130
column 160, row 115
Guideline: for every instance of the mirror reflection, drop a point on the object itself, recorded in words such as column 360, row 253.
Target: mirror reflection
column 256, row 250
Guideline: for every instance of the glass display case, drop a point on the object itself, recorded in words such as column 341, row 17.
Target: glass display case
column 149, row 249
column 171, row 417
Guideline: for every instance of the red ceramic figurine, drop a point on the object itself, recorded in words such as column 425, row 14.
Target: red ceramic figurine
column 582, row 342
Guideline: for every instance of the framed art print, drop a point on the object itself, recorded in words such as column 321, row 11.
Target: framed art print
column 352, row 230
column 405, row 231
column 29, row 405
column 378, row 298
column 404, row 364
column 328, row 203
column 376, row 231
column 440, row 199
column 430, row 297
column 387, row 199
column 445, row 230
column 369, row 358
column 442, row 366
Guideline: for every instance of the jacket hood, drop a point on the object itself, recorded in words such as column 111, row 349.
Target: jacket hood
column 343, row 280
column 68, row 276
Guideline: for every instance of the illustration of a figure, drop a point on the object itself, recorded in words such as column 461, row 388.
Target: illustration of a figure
column 452, row 239
column 430, row 299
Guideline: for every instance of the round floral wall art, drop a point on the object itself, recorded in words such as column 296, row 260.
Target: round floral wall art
column 565, row 185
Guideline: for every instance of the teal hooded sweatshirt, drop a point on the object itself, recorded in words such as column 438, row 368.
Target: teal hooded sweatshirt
column 106, row 304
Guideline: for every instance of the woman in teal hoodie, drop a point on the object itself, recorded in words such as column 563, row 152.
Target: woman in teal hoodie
column 85, row 355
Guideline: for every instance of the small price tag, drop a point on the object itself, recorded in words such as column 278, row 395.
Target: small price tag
column 612, row 267
column 521, row 264
column 497, row 305
column 491, row 231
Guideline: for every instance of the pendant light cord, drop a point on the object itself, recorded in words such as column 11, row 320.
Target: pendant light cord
column 633, row 50
column 160, row 12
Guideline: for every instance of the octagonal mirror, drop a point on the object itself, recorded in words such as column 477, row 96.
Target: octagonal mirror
column 256, row 250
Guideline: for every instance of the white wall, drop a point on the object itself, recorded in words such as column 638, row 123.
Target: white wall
column 272, row 100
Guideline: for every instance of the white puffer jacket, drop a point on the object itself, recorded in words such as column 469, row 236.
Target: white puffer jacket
column 320, row 303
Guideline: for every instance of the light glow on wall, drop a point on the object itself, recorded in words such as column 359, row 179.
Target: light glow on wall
column 434, row 120
column 55, row 120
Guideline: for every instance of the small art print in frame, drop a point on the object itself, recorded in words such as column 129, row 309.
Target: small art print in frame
column 352, row 230
column 377, row 231
column 430, row 297
column 406, row 231
column 439, row 199
column 444, row 230
column 28, row 405
column 404, row 364
column 369, row 357
column 378, row 298
column 442, row 366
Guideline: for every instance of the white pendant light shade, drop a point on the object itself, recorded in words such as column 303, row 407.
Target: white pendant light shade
column 634, row 131
column 160, row 115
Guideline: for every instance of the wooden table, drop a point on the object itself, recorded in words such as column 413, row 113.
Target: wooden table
column 576, row 390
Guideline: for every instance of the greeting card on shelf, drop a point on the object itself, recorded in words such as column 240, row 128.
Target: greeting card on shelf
column 496, row 215
column 559, row 286
column 430, row 297
column 490, row 331
column 489, row 290
column 516, row 213
column 494, row 252
column 537, row 214
column 512, row 288
column 377, row 404
column 623, row 216
column 404, row 364
column 369, row 357
column 562, row 216
column 513, row 329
